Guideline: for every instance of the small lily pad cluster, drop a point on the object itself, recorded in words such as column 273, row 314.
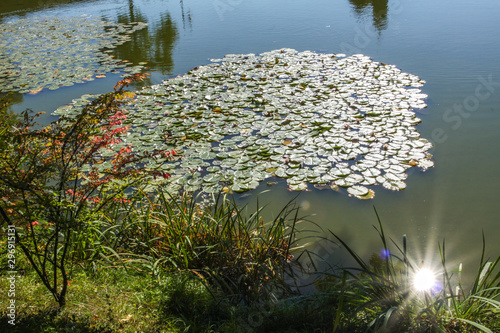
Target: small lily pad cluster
column 51, row 52
column 311, row 118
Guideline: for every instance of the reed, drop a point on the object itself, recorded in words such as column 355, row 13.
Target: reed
column 240, row 254
column 382, row 288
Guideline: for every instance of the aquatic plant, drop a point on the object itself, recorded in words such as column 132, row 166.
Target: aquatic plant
column 239, row 253
column 52, row 52
column 310, row 118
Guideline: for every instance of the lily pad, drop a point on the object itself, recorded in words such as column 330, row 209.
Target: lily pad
column 72, row 49
column 357, row 190
column 321, row 118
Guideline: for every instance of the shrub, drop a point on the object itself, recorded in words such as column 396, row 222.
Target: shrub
column 52, row 179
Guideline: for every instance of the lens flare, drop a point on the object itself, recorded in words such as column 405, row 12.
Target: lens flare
column 385, row 254
column 424, row 280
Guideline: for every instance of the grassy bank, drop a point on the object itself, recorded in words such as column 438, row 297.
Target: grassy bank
column 174, row 264
column 185, row 265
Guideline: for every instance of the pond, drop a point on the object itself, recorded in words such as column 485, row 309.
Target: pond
column 454, row 47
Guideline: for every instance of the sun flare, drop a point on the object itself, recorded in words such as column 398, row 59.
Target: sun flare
column 424, row 280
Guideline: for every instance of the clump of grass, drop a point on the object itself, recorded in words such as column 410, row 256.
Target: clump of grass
column 192, row 307
column 186, row 265
column 480, row 307
column 241, row 255
column 382, row 290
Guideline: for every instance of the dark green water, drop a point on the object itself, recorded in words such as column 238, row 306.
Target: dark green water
column 454, row 46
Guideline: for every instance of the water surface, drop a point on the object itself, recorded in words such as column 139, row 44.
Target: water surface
column 454, row 46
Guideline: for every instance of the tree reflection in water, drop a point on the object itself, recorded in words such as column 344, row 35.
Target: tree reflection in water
column 153, row 44
column 379, row 10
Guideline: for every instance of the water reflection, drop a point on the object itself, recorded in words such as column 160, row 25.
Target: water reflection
column 7, row 100
column 153, row 44
column 186, row 16
column 23, row 7
column 379, row 10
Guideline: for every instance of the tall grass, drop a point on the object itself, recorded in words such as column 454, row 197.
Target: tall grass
column 480, row 307
column 382, row 289
column 217, row 267
column 239, row 254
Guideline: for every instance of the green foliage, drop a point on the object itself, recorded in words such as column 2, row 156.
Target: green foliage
column 52, row 180
column 242, row 256
column 383, row 289
column 188, row 303
column 111, row 301
column 480, row 307
column 153, row 295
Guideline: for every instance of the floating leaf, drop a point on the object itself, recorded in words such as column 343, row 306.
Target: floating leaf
column 358, row 190
column 321, row 118
column 72, row 49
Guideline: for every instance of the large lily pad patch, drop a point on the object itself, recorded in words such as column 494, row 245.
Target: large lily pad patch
column 51, row 52
column 313, row 119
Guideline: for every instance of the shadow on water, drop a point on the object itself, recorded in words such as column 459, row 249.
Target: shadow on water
column 7, row 100
column 379, row 10
column 23, row 7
